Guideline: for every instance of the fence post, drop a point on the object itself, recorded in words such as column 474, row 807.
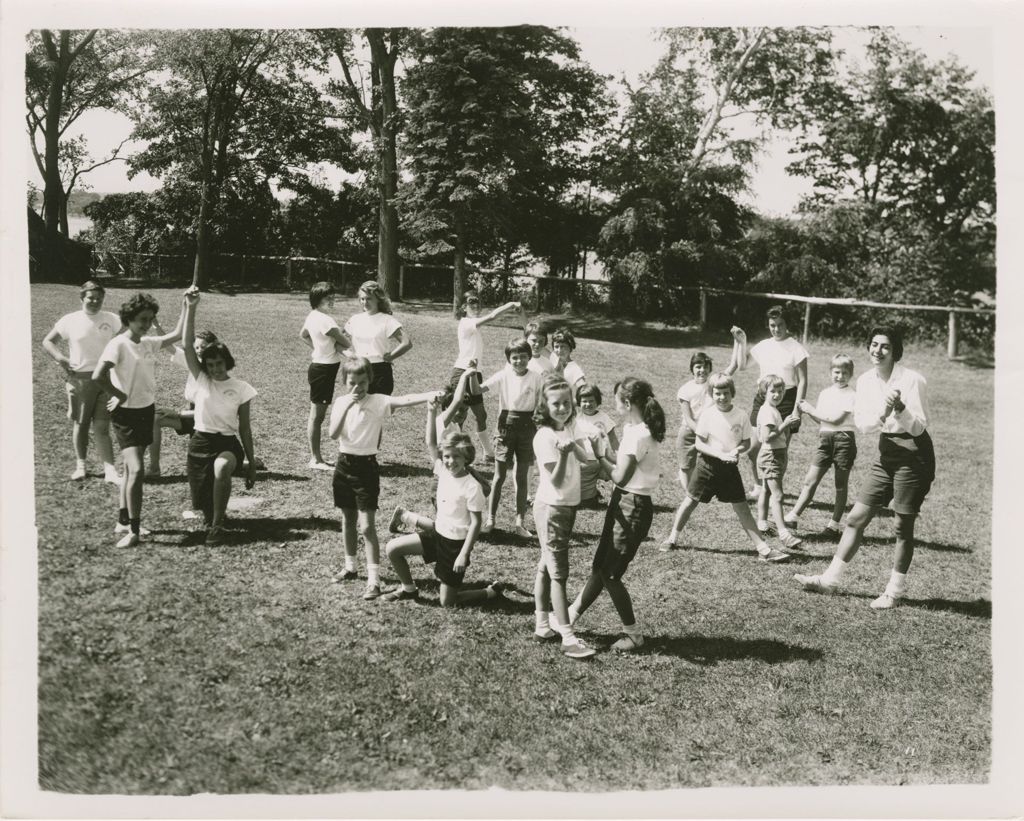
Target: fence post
column 954, row 343
column 703, row 309
column 288, row 272
column 807, row 323
column 401, row 282
column 241, row 273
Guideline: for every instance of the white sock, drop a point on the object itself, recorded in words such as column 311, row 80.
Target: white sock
column 673, row 535
column 519, row 519
column 409, row 588
column 350, row 563
column 80, row 463
column 835, row 524
column 372, row 573
column 541, row 617
column 568, row 635
column 897, row 584
column 485, row 442
column 784, row 533
column 634, row 632
column 762, row 548
column 835, row 571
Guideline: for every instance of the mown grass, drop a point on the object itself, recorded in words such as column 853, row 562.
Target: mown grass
column 176, row 668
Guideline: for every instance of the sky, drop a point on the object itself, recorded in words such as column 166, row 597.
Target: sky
column 619, row 52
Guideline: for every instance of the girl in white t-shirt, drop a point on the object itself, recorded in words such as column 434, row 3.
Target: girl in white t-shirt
column 222, row 415
column 693, row 397
column 563, row 343
column 447, row 540
column 471, row 352
column 377, row 336
column 558, row 448
column 635, row 473
column 598, row 427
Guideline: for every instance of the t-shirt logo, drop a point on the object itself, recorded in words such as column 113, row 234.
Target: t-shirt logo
column 105, row 326
column 736, row 429
column 230, row 393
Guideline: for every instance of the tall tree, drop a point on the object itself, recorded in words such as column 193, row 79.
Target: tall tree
column 239, row 110
column 495, row 117
column 68, row 73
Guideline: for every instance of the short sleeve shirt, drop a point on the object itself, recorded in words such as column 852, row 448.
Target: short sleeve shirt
column 539, row 364
column 516, row 393
column 319, row 324
column 835, row 400
column 371, row 334
column 767, row 415
column 573, row 374
column 697, row 395
column 217, row 403
column 724, row 430
column 87, row 335
column 638, row 442
column 780, row 358
column 134, row 370
column 457, row 496
column 471, row 342
column 595, row 425
column 360, row 435
column 178, row 358
column 545, row 448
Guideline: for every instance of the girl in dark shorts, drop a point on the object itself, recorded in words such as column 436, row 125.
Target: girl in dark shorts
column 892, row 401
column 222, row 415
column 377, row 336
column 630, row 510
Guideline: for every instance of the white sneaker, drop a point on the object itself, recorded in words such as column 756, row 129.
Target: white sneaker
column 488, row 526
column 128, row 540
column 120, row 528
column 815, row 584
column 522, row 531
column 111, row 475
column 78, row 474
column 315, row 465
column 886, row 602
column 577, row 649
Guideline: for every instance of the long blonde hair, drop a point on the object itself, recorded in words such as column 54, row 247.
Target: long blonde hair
column 373, row 288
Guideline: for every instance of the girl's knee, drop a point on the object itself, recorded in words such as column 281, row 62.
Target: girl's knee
column 224, row 466
column 858, row 518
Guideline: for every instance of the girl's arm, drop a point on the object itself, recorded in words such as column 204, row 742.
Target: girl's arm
column 740, row 349
column 769, row 433
column 613, row 440
column 102, row 376
column 557, row 468
column 404, row 346
column 461, row 389
column 508, row 306
column 410, row 399
column 189, row 337
column 342, row 342
column 175, row 335
column 342, row 405
column 430, row 435
column 704, row 446
column 625, row 466
column 245, row 434
column 305, row 337
column 462, row 560
column 50, row 346
column 801, row 380
column 684, row 406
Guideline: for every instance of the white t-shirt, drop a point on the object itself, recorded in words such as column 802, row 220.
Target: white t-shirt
column 697, row 395
column 723, row 430
column 544, row 448
column 87, row 335
column 360, row 435
column 539, row 364
column 456, row 497
column 767, row 415
column 318, row 324
column 134, row 368
column 371, row 334
column 178, row 358
column 471, row 342
column 870, row 402
column 516, row 393
column 217, row 403
column 835, row 400
column 597, row 424
column 779, row 358
column 572, row 371
column 637, row 441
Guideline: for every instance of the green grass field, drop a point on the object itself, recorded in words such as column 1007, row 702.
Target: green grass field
column 175, row 668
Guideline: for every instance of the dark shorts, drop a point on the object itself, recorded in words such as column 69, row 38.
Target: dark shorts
column 133, row 427
column 356, row 482
column 86, row 400
column 626, row 525
column 771, row 462
column 688, row 452
column 203, row 450
column 903, row 473
column 513, row 437
column 453, row 382
column 321, row 380
column 786, row 407
column 554, row 529
column 837, row 448
column 442, row 552
column 382, row 378
column 187, row 424
column 714, row 478
column 590, row 472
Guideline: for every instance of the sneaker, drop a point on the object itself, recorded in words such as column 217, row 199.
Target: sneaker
column 790, row 522
column 791, row 542
column 488, row 526
column 120, row 528
column 315, row 465
column 627, row 644
column 396, row 523
column 754, row 493
column 79, row 473
column 400, row 594
column 129, row 540
column 764, row 528
column 544, row 634
column 111, row 475
column 522, row 531
column 577, row 649
column 833, row 530
column 374, row 590
column 773, row 555
column 215, row 536
column 191, row 514
column 886, row 602
column 815, row 584
column 668, row 546
column 345, row 576
column 498, row 588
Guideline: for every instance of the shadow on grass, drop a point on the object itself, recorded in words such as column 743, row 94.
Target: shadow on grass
column 711, row 650
column 289, row 529
column 274, row 476
column 521, row 604
column 609, row 329
column 397, row 469
column 978, row 609
column 919, row 544
column 164, row 479
column 749, row 555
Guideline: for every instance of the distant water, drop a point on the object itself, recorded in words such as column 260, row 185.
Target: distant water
column 76, row 224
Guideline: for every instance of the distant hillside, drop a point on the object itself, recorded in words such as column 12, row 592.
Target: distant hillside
column 77, row 203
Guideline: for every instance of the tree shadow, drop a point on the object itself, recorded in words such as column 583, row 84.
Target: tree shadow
column 748, row 555
column 978, row 609
column 978, row 360
column 288, row 529
column 396, row 469
column 708, row 651
column 612, row 329
column 275, row 476
column 165, row 479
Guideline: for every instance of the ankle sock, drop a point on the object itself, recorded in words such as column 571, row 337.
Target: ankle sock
column 835, row 571
column 350, row 563
column 541, row 619
column 897, row 585
column 634, row 632
column 372, row 573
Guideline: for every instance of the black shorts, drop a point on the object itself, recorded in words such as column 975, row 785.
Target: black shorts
column 442, row 552
column 356, row 482
column 837, row 448
column 453, row 383
column 626, row 525
column 133, row 427
column 712, row 477
column 903, row 473
column 186, row 423
column 786, row 407
column 513, row 437
column 382, row 378
column 321, row 378
column 203, row 450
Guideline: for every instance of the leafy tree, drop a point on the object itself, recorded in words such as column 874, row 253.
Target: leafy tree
column 66, row 74
column 238, row 111
column 495, row 119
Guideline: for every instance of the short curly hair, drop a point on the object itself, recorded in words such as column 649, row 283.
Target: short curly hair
column 136, row 305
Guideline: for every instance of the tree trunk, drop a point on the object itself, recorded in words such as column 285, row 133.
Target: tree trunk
column 63, row 219
column 201, row 270
column 459, row 284
column 53, row 189
column 385, row 114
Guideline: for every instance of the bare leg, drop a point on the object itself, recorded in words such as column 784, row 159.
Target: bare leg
column 542, row 589
column 480, row 414
column 762, row 501
column 849, row 543
column 313, row 425
column 132, row 485
column 774, row 488
column 80, row 437
column 747, row 523
column 810, row 487
column 842, row 478
column 904, row 542
column 101, row 431
column 399, row 550
column 683, row 513
column 500, row 472
column 223, row 469
column 368, row 530
column 522, row 486
column 349, row 534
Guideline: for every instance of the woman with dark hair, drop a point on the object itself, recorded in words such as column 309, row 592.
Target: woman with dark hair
column 891, row 401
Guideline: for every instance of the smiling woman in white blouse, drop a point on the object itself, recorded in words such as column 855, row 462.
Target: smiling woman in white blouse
column 892, row 402
column 377, row 336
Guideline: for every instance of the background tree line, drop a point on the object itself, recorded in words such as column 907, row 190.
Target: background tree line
column 500, row 148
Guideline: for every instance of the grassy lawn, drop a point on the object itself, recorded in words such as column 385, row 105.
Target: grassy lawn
column 175, row 668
